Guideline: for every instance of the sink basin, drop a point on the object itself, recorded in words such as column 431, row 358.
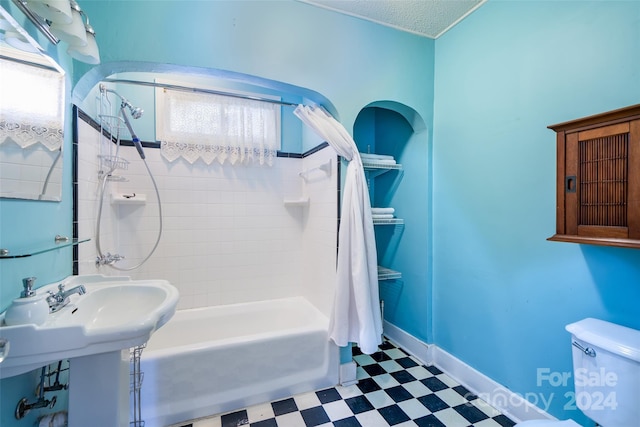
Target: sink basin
column 115, row 313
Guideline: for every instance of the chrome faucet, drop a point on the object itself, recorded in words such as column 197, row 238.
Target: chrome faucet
column 61, row 298
column 108, row 259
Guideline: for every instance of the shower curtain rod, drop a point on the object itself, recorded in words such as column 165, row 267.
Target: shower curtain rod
column 200, row 90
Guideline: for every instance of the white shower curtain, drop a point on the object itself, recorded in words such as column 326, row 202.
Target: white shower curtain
column 356, row 309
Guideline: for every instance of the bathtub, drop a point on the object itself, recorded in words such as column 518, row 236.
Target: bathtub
column 217, row 359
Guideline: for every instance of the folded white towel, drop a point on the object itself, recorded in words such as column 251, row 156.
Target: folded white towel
column 370, row 156
column 382, row 216
column 379, row 161
column 382, row 210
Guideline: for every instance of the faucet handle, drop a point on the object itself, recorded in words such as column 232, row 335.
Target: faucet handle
column 61, row 287
column 28, row 283
column 51, row 300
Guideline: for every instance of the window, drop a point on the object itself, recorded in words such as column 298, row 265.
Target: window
column 197, row 125
column 31, row 105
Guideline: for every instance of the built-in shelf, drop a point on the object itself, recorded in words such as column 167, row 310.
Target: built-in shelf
column 378, row 168
column 128, row 199
column 388, row 274
column 36, row 249
column 374, row 169
column 388, row 221
column 301, row 202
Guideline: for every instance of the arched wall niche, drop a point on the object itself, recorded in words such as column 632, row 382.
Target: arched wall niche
column 412, row 116
column 89, row 80
column 295, row 137
column 385, row 127
column 395, row 129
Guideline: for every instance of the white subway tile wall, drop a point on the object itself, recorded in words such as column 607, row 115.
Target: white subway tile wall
column 228, row 236
column 24, row 170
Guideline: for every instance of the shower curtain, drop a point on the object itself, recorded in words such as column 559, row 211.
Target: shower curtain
column 356, row 310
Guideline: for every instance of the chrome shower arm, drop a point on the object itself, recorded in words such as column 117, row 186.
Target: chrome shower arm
column 136, row 112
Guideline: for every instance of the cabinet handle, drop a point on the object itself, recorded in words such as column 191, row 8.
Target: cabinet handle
column 570, row 184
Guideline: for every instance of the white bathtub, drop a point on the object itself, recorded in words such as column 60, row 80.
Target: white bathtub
column 217, row 359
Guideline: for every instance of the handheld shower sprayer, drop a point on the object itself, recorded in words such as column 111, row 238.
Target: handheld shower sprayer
column 134, row 137
column 136, row 113
column 107, row 259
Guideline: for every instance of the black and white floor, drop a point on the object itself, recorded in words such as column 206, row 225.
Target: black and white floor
column 394, row 389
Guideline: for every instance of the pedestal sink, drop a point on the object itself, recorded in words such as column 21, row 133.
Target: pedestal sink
column 95, row 332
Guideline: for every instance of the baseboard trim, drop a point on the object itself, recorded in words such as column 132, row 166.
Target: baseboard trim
column 418, row 349
column 513, row 405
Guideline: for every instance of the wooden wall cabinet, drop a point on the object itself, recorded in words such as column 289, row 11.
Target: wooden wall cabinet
column 598, row 179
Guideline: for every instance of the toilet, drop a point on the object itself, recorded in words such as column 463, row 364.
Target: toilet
column 606, row 369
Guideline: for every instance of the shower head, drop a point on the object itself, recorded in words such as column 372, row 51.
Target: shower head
column 136, row 112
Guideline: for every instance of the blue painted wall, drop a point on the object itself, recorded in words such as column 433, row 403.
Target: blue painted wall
column 34, row 224
column 502, row 293
column 498, row 294
column 349, row 61
column 25, row 223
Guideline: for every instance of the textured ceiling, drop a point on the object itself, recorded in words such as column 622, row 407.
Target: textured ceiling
column 428, row 18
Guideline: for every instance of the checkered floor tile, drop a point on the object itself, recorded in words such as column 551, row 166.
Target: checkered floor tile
column 393, row 389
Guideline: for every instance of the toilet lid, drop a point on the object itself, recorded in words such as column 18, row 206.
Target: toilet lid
column 547, row 423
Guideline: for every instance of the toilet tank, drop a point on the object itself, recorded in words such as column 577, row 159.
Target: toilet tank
column 606, row 371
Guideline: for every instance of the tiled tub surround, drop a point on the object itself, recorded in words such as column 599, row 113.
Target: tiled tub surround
column 228, row 236
column 394, row 389
column 210, row 360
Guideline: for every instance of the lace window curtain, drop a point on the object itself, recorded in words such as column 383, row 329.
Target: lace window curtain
column 217, row 127
column 31, row 105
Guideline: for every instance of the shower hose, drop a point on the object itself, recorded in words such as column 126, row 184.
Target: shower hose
column 103, row 186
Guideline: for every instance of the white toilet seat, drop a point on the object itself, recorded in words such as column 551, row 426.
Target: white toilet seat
column 548, row 423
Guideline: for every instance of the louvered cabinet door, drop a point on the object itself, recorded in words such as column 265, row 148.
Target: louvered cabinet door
column 598, row 179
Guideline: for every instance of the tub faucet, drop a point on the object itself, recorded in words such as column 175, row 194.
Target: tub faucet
column 108, row 259
column 61, row 298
